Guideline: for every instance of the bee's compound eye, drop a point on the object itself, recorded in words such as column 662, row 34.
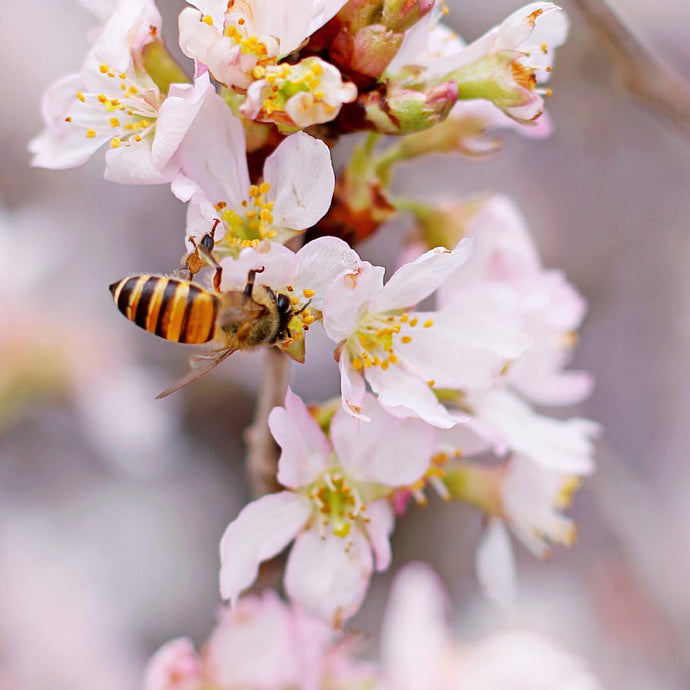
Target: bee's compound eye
column 283, row 303
column 207, row 242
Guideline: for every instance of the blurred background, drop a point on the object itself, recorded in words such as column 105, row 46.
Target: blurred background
column 112, row 504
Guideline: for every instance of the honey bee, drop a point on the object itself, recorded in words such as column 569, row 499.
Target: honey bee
column 184, row 312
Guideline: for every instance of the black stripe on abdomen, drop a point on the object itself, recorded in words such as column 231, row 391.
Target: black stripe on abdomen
column 145, row 296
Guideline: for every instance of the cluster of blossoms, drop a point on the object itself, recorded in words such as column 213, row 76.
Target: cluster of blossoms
column 440, row 365
column 268, row 645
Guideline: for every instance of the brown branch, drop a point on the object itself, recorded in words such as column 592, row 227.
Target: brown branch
column 262, row 451
column 646, row 78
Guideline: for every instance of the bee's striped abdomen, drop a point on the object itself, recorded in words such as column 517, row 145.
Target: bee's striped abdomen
column 170, row 308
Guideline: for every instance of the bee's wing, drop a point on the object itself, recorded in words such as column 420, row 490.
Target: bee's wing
column 201, row 363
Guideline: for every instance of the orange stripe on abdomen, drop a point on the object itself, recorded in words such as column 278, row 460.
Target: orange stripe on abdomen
column 172, row 310
column 199, row 326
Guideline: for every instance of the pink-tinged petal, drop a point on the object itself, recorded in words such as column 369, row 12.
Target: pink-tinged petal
column 553, row 388
column 302, row 181
column 321, row 261
column 304, row 447
column 175, row 666
column 470, row 437
column 280, row 266
column 328, row 577
column 176, row 115
column 213, row 153
column 352, row 388
column 135, row 165
column 565, row 446
column 410, row 284
column 414, row 636
column 407, row 395
column 128, row 29
column 262, row 530
column 385, row 450
column 348, row 298
column 495, row 565
column 379, row 528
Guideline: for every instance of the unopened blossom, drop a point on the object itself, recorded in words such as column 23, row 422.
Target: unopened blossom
column 238, row 39
column 296, row 190
column 297, row 96
column 403, row 353
column 419, row 651
column 264, row 644
column 114, row 101
column 506, row 65
column 335, row 506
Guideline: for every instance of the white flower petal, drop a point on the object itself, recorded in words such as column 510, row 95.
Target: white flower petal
column 305, row 448
column 413, row 282
column 302, row 181
column 379, row 528
column 321, row 261
column 352, row 388
column 261, row 530
column 280, row 266
column 414, row 635
column 135, row 165
column 213, row 153
column 385, row 450
column 495, row 565
column 348, row 298
column 175, row 116
column 406, row 395
column 327, row 580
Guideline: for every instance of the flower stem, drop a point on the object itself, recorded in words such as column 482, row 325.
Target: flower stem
column 262, row 450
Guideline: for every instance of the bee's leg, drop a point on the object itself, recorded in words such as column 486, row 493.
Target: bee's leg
column 302, row 308
column 249, row 287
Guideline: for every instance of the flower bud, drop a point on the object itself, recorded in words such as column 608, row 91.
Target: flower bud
column 403, row 111
column 161, row 66
column 401, row 15
column 367, row 52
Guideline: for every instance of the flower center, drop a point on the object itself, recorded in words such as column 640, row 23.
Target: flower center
column 129, row 115
column 338, row 504
column 373, row 343
column 255, row 224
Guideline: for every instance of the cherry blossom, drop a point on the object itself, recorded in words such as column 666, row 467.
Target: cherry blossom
column 550, row 307
column 263, row 644
column 296, row 191
column 114, row 100
column 297, row 96
column 239, row 39
column 335, row 506
column 505, row 65
column 419, row 652
column 404, row 354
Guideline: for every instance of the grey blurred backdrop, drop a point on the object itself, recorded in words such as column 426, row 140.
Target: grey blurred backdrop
column 111, row 505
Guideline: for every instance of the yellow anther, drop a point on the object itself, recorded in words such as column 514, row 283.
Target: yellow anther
column 406, row 339
column 101, row 98
column 319, row 95
column 413, row 322
column 259, row 72
column 392, row 358
column 122, row 75
column 317, row 69
column 208, row 19
column 264, row 187
column 115, row 143
column 294, row 300
column 428, row 323
column 404, row 318
column 123, row 87
column 137, row 138
column 308, row 293
column 357, row 364
column 80, row 96
column 431, row 383
column 103, row 68
column 114, row 122
column 384, row 365
column 253, row 191
column 90, row 133
column 241, row 21
column 544, row 48
column 68, row 119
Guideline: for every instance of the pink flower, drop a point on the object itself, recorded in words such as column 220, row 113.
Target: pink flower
column 335, row 506
column 403, row 353
column 419, row 652
column 113, row 100
column 296, row 191
column 264, row 644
